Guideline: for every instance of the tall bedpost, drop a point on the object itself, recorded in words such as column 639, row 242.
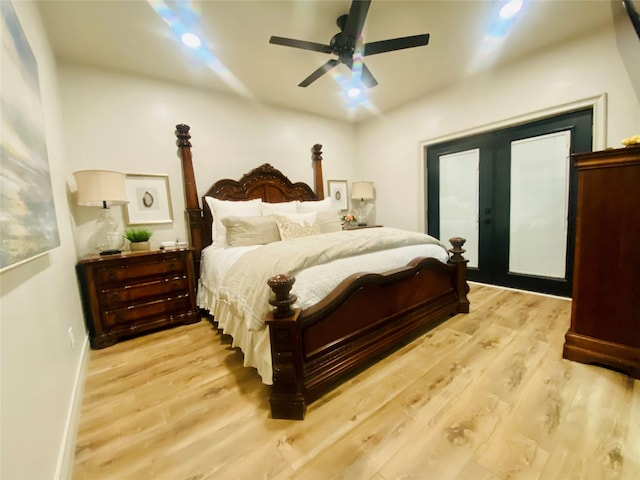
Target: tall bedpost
column 461, row 286
column 287, row 392
column 316, row 156
column 192, row 204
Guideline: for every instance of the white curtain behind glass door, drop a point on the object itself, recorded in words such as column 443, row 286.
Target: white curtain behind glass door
column 539, row 205
column 459, row 197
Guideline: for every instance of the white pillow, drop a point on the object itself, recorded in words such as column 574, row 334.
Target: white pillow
column 282, row 207
column 314, row 206
column 246, row 231
column 296, row 225
column 329, row 221
column 227, row 208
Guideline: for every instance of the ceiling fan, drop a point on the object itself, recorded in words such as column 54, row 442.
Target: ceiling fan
column 344, row 44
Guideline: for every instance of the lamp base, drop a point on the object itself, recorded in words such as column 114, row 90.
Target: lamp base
column 110, row 252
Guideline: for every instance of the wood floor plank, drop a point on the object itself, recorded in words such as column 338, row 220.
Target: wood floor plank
column 592, row 440
column 473, row 471
column 486, row 395
column 444, row 449
column 631, row 463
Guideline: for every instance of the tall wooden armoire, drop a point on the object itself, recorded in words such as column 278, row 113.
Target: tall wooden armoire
column 605, row 313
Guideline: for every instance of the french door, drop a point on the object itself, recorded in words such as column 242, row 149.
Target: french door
column 511, row 193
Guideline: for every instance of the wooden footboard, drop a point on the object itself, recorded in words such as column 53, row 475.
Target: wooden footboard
column 366, row 317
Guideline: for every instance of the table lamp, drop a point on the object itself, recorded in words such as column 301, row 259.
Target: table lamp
column 362, row 191
column 103, row 188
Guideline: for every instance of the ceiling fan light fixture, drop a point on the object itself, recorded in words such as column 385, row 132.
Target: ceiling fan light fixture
column 191, row 40
column 353, row 92
column 510, row 8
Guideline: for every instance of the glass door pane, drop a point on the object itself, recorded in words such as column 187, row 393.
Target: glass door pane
column 459, row 194
column 539, row 205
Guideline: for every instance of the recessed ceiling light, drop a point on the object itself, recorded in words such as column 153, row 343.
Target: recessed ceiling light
column 510, row 9
column 353, row 92
column 190, row 40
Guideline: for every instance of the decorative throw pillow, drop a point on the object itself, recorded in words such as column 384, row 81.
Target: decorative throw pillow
column 277, row 208
column 329, row 221
column 246, row 231
column 226, row 208
column 314, row 206
column 296, row 225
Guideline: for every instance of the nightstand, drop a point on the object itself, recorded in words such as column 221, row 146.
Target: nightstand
column 126, row 294
column 356, row 227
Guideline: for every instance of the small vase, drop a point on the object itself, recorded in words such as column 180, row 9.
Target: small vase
column 139, row 246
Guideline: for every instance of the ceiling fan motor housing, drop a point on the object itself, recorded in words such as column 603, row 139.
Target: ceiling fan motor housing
column 343, row 44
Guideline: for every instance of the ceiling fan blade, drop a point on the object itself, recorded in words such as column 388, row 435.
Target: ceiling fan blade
column 367, row 77
column 355, row 19
column 319, row 72
column 290, row 42
column 373, row 48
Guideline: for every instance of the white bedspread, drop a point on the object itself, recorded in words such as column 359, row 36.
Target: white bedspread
column 237, row 296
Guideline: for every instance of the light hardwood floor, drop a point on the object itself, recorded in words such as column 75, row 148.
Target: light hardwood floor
column 485, row 395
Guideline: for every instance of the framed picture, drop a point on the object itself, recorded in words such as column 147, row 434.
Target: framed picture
column 338, row 193
column 149, row 199
column 28, row 224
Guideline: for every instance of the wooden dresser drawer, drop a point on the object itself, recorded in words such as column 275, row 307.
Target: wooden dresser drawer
column 120, row 273
column 130, row 293
column 135, row 314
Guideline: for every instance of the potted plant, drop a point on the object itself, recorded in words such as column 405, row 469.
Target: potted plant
column 139, row 238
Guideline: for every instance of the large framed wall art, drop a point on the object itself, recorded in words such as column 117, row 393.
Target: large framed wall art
column 28, row 224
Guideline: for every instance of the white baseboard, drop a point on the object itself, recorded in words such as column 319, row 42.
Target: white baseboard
column 518, row 290
column 64, row 467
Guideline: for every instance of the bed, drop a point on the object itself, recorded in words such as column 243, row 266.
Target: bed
column 303, row 348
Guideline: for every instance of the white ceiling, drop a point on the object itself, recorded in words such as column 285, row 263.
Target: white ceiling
column 129, row 36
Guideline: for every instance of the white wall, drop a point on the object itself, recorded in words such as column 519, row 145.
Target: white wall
column 39, row 302
column 389, row 151
column 127, row 123
column 628, row 44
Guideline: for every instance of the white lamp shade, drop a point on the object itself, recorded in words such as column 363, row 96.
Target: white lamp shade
column 99, row 188
column 362, row 190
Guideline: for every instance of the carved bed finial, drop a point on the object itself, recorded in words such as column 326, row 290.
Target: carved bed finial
column 457, row 250
column 182, row 132
column 316, row 152
column 281, row 286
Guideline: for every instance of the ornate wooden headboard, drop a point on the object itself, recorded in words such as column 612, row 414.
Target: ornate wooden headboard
column 264, row 182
